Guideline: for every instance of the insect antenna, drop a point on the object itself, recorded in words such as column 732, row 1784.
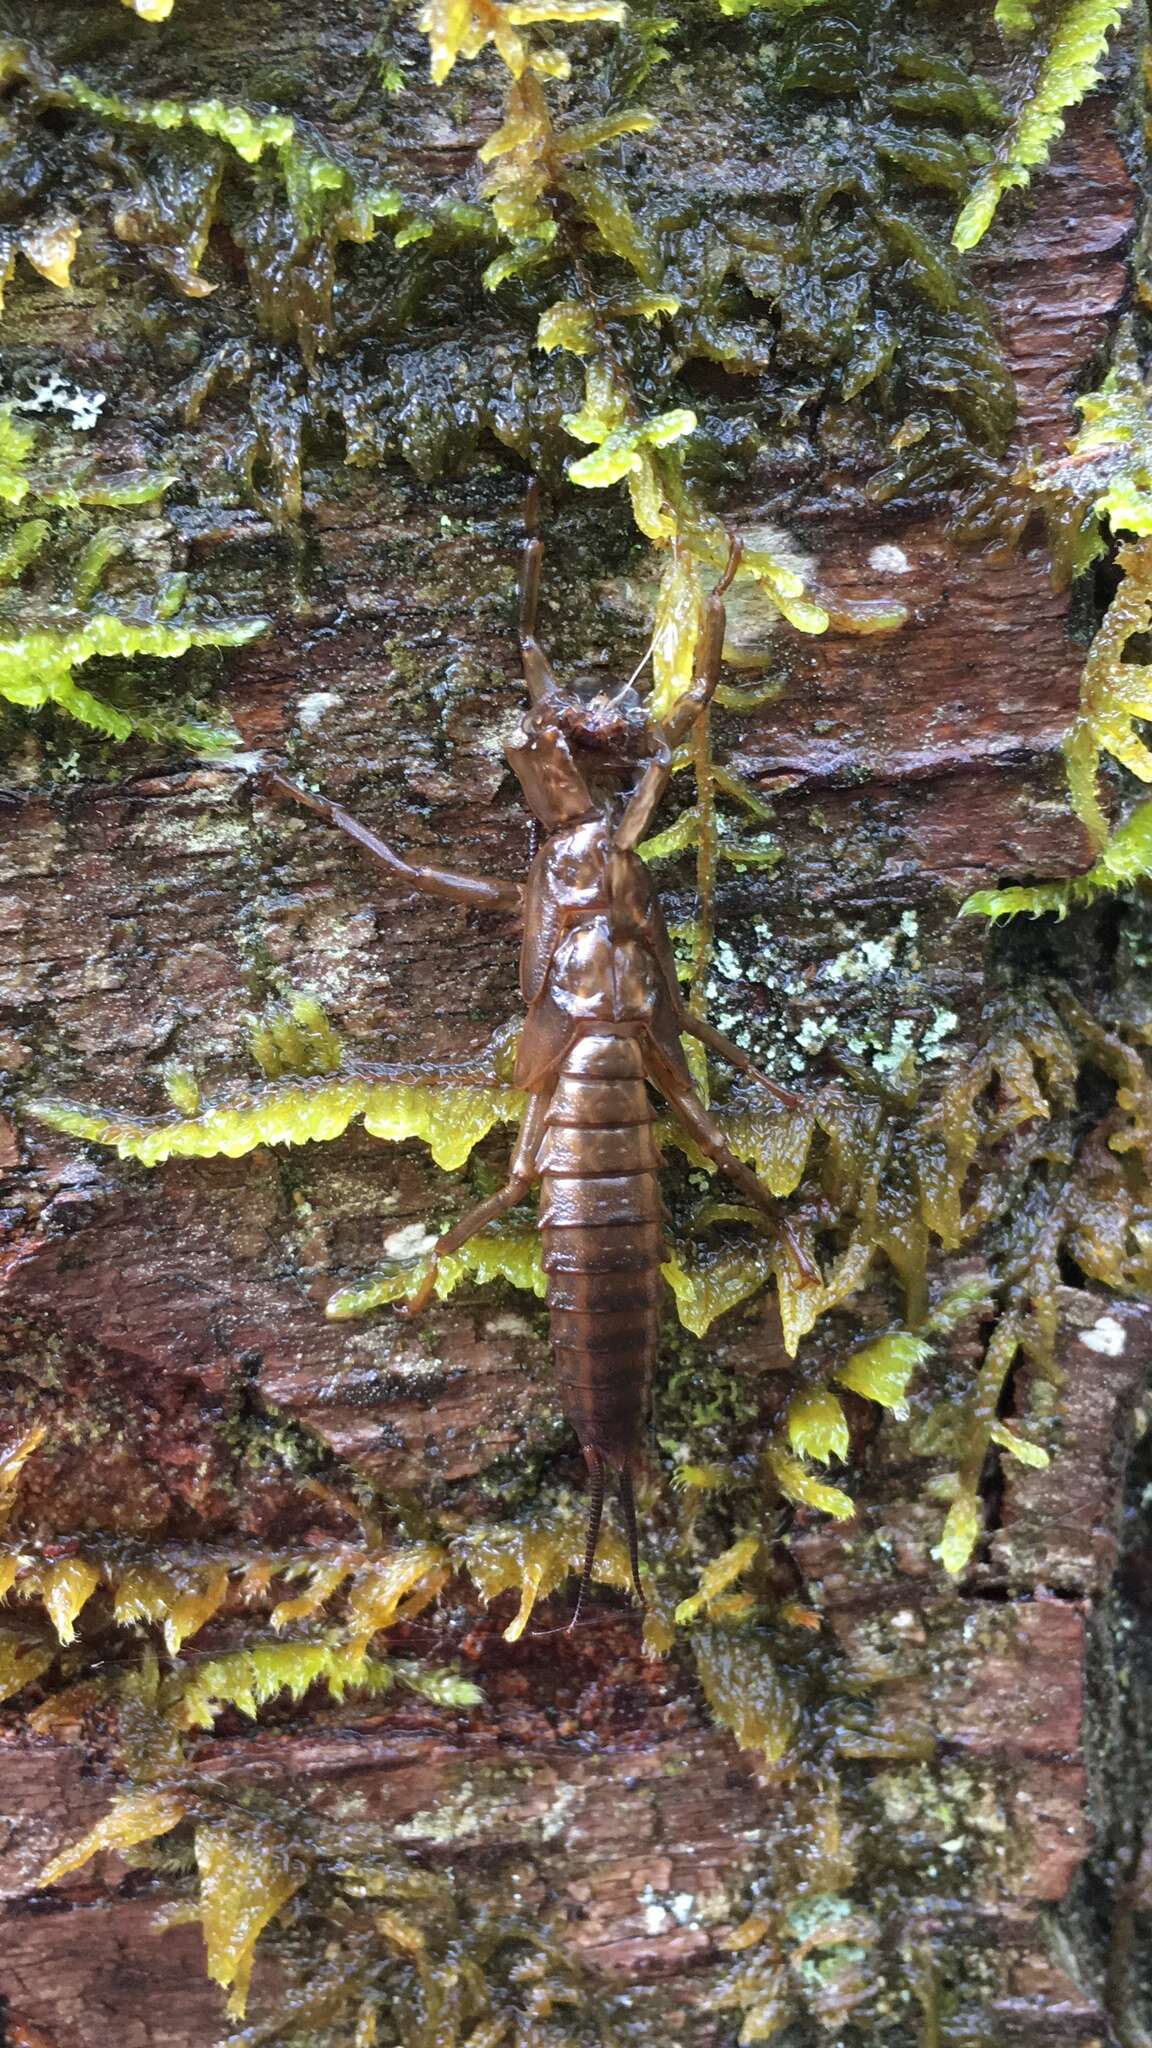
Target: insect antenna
column 628, row 1510
column 595, row 1511
column 645, row 658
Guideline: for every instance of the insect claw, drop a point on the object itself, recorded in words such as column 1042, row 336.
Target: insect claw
column 269, row 777
column 411, row 1308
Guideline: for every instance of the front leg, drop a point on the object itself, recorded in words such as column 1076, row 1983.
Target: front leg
column 702, row 688
column 681, row 1097
column 476, row 890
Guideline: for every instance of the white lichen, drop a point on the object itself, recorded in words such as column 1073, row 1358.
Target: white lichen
column 311, row 709
column 1107, row 1336
column 410, row 1242
column 889, row 560
column 54, row 393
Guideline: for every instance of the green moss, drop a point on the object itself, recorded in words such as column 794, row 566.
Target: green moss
column 247, row 133
column 23, row 1659
column 451, row 1121
column 293, row 1038
column 1103, row 479
column 891, row 1183
column 843, row 286
column 248, row 1679
column 415, row 1954
column 16, row 443
column 45, row 642
column 744, row 1689
column 534, row 1556
column 1068, row 69
column 1126, row 859
column 38, row 668
column 496, row 1255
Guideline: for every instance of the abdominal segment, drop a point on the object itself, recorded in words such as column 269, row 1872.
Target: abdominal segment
column 602, row 1226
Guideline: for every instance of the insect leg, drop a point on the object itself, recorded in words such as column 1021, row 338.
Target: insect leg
column 477, row 890
column 644, row 799
column 683, row 1099
column 522, row 1175
column 698, row 1027
column 710, row 649
column 537, row 673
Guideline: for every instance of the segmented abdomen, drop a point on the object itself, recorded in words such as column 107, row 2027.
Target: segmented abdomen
column 601, row 1223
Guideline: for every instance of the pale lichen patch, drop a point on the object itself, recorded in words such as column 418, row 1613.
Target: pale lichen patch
column 1107, row 1336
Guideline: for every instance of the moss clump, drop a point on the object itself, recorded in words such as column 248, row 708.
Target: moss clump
column 247, row 1874
column 513, row 1256
column 536, row 1555
column 179, row 1590
column 816, row 1958
column 450, row 1121
column 249, row 1679
column 23, row 1659
column 289, row 234
column 745, row 1691
column 56, row 616
column 415, row 1953
column 1101, row 490
column 1066, row 71
column 1126, row 860
column 312, row 1096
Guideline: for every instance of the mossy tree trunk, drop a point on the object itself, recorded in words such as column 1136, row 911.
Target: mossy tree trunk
column 945, row 1852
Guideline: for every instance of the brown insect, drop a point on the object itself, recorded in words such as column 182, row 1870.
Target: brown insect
column 604, row 1020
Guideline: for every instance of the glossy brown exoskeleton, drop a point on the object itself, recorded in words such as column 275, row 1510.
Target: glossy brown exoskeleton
column 604, row 1021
